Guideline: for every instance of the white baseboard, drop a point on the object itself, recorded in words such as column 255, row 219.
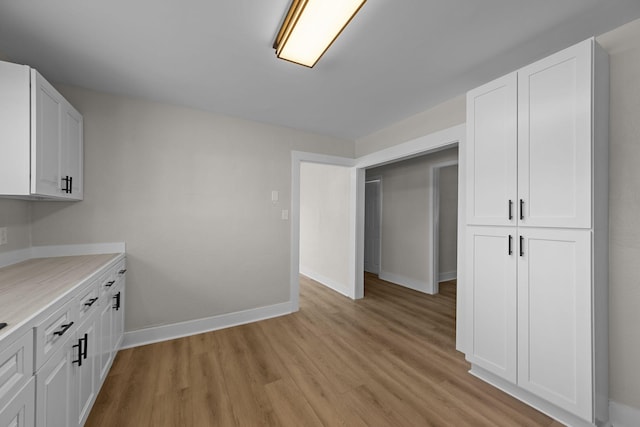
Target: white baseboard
column 447, row 275
column 623, row 415
column 14, row 257
column 198, row 326
column 407, row 282
column 326, row 281
column 530, row 399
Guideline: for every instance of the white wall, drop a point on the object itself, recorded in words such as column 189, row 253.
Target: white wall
column 442, row 116
column 324, row 224
column 623, row 45
column 448, row 239
column 406, row 211
column 190, row 194
column 14, row 215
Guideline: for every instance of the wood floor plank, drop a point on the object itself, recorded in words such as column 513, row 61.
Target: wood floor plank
column 386, row 360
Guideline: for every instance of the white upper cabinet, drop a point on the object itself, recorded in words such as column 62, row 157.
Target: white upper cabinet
column 40, row 137
column 492, row 153
column 530, row 144
column 555, row 139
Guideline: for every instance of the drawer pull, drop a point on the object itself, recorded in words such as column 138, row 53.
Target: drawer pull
column 117, row 304
column 122, row 271
column 64, row 329
column 90, row 302
column 109, row 284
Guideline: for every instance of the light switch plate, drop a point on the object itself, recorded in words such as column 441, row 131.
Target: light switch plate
column 285, row 214
column 3, row 236
column 274, row 196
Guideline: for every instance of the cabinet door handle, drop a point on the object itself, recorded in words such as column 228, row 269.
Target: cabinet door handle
column 90, row 302
column 510, row 209
column 66, row 184
column 79, row 347
column 510, row 244
column 64, row 329
column 86, row 346
column 122, row 271
column 109, row 284
column 521, row 209
column 117, row 298
column 70, row 184
column 521, row 246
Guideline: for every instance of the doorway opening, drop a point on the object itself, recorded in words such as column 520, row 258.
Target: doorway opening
column 410, row 220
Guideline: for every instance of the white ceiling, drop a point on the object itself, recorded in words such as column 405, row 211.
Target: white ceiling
column 395, row 59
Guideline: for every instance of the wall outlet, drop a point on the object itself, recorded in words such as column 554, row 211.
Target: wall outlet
column 3, row 236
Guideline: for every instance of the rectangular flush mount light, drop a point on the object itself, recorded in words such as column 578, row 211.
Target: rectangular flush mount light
column 311, row 26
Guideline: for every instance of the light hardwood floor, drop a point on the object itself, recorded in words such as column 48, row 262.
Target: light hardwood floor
column 386, row 360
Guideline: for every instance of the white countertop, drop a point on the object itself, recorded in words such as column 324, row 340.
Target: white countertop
column 30, row 286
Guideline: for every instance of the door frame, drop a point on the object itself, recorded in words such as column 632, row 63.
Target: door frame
column 434, row 223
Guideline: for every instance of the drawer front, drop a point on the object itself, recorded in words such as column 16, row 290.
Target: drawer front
column 16, row 367
column 121, row 269
column 87, row 302
column 107, row 281
column 51, row 333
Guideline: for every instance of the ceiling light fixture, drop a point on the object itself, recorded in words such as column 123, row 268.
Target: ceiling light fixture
column 311, row 26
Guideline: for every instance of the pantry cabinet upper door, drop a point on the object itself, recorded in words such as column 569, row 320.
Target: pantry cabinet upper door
column 492, row 152
column 555, row 139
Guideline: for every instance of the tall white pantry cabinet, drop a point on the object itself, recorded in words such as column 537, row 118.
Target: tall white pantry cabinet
column 537, row 224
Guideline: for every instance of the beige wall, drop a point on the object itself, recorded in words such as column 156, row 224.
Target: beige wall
column 324, row 224
column 14, row 215
column 442, row 116
column 448, row 241
column 190, row 194
column 406, row 212
column 623, row 45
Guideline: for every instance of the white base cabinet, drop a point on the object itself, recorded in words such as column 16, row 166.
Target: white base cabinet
column 536, row 239
column 51, row 375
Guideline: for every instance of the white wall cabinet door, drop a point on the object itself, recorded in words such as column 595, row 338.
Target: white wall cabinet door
column 46, row 137
column 54, row 389
column 492, row 153
column 554, row 317
column 491, row 278
column 555, row 139
column 72, row 154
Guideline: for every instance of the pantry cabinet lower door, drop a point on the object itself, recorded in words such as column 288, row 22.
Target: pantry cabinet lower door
column 491, row 273
column 554, row 317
